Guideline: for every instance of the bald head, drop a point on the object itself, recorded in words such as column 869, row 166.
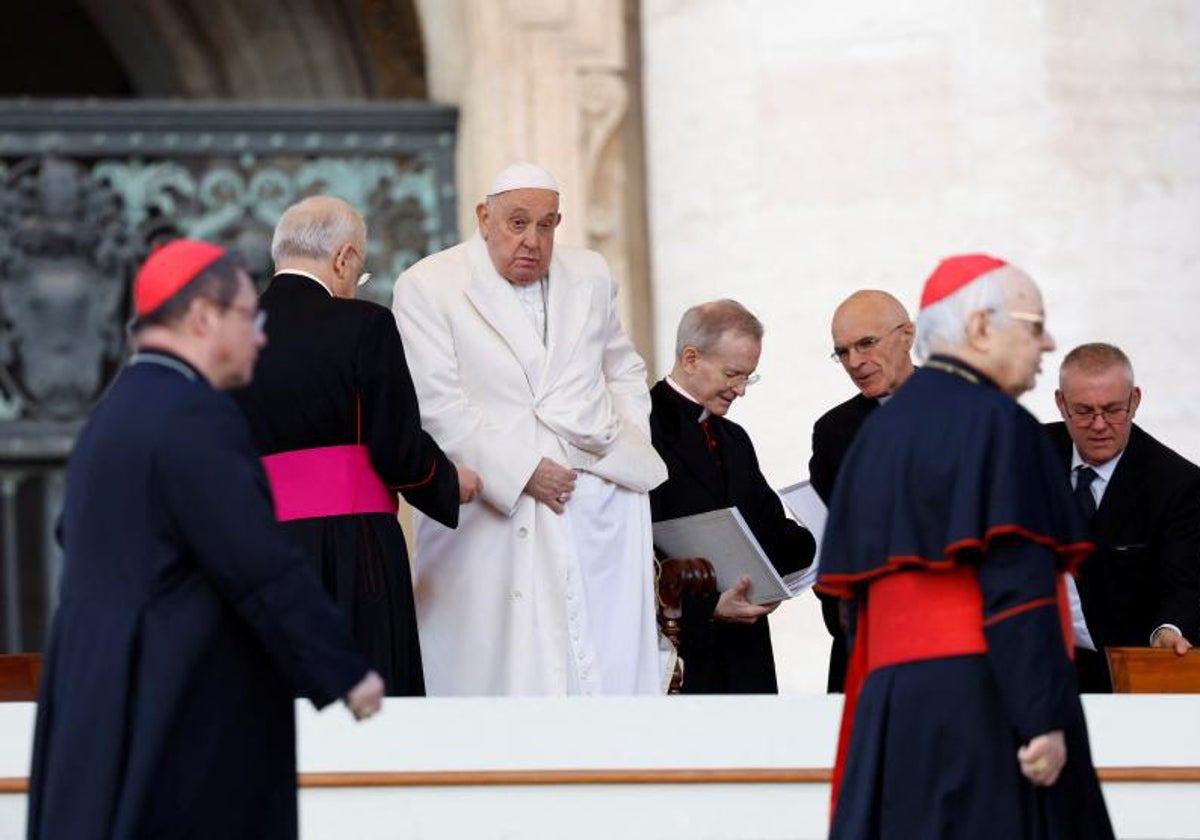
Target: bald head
column 872, row 337
column 324, row 236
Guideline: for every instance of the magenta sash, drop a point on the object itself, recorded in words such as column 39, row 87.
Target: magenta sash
column 326, row 481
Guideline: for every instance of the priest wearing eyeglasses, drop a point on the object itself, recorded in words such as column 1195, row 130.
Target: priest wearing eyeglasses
column 1142, row 587
column 872, row 341
column 711, row 464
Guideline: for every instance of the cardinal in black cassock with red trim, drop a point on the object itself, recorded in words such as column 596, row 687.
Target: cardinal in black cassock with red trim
column 187, row 622
column 949, row 532
column 333, row 411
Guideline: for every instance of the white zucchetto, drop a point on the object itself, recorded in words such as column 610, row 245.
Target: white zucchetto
column 522, row 176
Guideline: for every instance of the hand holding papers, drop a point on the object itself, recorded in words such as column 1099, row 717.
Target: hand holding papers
column 723, row 537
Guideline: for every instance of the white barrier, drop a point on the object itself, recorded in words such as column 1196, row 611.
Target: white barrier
column 630, row 768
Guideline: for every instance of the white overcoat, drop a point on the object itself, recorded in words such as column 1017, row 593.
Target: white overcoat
column 491, row 595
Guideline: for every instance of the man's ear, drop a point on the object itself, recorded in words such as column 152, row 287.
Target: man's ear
column 200, row 316
column 1061, row 402
column 689, row 357
column 978, row 329
column 1134, row 401
column 482, row 217
column 341, row 257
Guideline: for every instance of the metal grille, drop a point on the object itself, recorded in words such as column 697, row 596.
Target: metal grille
column 87, row 187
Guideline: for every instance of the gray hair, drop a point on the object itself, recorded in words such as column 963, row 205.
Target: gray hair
column 1096, row 357
column 315, row 228
column 703, row 325
column 943, row 325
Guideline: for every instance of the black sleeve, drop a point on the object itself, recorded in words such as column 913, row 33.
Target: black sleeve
column 1018, row 580
column 402, row 453
column 789, row 545
column 822, row 471
column 217, row 493
column 1179, row 564
column 823, row 465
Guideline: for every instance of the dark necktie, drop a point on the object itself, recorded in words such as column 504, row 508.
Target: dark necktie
column 709, row 440
column 1084, row 476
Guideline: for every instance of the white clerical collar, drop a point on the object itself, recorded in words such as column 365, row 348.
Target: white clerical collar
column 704, row 413
column 311, row 277
column 1103, row 471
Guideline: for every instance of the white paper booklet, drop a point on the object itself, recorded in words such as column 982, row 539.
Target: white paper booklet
column 723, row 538
column 804, row 503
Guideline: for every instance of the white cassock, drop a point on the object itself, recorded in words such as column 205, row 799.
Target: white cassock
column 517, row 599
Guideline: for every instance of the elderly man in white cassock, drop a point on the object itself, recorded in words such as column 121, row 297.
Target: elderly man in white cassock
column 523, row 370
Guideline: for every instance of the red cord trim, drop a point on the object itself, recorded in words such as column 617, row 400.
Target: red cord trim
column 842, row 585
column 428, row 477
column 1020, row 608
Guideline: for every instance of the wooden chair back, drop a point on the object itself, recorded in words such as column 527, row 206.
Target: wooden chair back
column 19, row 674
column 1137, row 670
column 677, row 577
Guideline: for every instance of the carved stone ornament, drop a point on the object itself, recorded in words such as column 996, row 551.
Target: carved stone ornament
column 66, row 256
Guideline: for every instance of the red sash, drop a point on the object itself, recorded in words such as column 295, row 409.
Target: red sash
column 915, row 615
column 326, row 481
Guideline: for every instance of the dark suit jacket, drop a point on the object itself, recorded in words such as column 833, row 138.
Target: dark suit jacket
column 831, row 438
column 1146, row 571
column 721, row 657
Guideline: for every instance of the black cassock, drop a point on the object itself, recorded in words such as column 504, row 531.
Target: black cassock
column 186, row 625
column 334, row 373
column 721, row 657
column 832, row 435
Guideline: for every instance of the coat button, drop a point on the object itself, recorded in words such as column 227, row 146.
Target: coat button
column 522, row 532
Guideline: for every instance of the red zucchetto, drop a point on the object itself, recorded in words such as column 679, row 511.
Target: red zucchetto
column 168, row 270
column 953, row 273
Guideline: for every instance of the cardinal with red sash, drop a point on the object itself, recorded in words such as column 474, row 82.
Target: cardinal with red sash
column 949, row 534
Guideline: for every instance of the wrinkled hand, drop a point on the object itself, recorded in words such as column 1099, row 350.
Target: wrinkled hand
column 470, row 484
column 1042, row 759
column 734, row 606
column 1168, row 638
column 365, row 698
column 551, row 484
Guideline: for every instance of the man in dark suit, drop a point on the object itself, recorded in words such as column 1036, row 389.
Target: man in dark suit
column 333, row 413
column 711, row 464
column 872, row 340
column 1142, row 586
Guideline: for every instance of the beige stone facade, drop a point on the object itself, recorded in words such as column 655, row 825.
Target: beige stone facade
column 556, row 83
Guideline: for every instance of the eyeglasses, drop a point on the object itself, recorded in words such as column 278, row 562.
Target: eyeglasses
column 1037, row 323
column 732, row 378
column 866, row 344
column 1114, row 415
column 257, row 317
column 740, row 380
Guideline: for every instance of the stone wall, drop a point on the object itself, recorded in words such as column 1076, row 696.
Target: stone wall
column 551, row 81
